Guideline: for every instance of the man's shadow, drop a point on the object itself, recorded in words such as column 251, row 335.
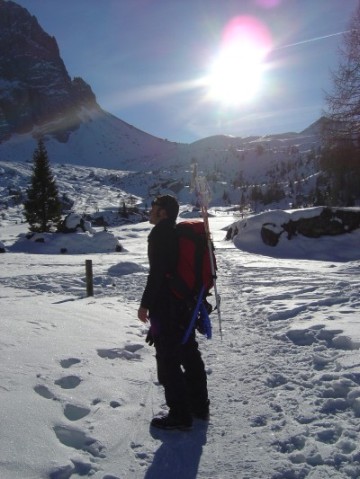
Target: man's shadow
column 179, row 455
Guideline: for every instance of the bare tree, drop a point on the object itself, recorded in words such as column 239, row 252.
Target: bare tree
column 343, row 115
column 339, row 159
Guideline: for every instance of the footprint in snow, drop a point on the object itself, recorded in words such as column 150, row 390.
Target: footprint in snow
column 79, row 467
column 74, row 412
column 129, row 352
column 70, row 437
column 258, row 421
column 44, row 391
column 332, row 339
column 68, row 362
column 276, row 380
column 114, row 404
column 143, row 457
column 80, row 440
column 68, row 382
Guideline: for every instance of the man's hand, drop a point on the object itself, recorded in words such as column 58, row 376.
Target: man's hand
column 149, row 338
column 143, row 314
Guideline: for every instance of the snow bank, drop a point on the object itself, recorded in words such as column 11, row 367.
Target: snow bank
column 247, row 237
column 72, row 243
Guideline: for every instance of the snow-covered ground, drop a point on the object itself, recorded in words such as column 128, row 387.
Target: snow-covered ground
column 78, row 383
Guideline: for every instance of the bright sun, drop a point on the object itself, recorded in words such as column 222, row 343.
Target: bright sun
column 236, row 73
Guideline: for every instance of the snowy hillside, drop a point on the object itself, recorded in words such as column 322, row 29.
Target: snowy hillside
column 101, row 140
column 234, row 167
column 105, row 141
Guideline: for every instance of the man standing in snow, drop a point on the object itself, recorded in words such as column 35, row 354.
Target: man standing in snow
column 180, row 367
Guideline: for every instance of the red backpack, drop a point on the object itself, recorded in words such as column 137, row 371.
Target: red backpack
column 194, row 265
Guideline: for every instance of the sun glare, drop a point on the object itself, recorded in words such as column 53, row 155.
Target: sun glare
column 236, row 73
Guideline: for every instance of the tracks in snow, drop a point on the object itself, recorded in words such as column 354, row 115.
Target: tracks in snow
column 285, row 383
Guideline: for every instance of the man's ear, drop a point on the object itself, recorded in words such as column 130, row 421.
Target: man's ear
column 162, row 213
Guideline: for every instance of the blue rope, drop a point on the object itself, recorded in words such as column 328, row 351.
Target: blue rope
column 207, row 322
column 198, row 307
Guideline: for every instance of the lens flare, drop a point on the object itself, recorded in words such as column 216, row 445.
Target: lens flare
column 268, row 3
column 247, row 30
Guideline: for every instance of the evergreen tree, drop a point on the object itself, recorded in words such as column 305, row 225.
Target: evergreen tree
column 43, row 206
column 256, row 194
column 123, row 211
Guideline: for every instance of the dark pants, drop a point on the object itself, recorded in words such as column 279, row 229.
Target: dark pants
column 180, row 368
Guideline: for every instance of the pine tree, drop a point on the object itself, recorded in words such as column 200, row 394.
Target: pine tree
column 43, row 206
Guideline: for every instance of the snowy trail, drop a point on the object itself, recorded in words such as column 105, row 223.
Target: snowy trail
column 283, row 379
column 284, row 384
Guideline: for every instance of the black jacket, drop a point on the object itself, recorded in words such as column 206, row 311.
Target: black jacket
column 163, row 254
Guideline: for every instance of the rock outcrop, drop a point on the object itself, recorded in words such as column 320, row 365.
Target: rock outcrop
column 35, row 87
column 331, row 221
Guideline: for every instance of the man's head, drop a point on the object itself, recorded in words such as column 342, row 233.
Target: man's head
column 165, row 206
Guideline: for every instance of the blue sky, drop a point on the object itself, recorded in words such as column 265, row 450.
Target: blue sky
column 149, row 61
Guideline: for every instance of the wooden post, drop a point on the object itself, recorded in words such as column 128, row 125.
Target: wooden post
column 89, row 278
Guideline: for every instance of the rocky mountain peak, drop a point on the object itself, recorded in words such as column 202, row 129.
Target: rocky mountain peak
column 35, row 87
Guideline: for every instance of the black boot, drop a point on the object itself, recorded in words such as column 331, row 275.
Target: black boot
column 171, row 422
column 202, row 411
